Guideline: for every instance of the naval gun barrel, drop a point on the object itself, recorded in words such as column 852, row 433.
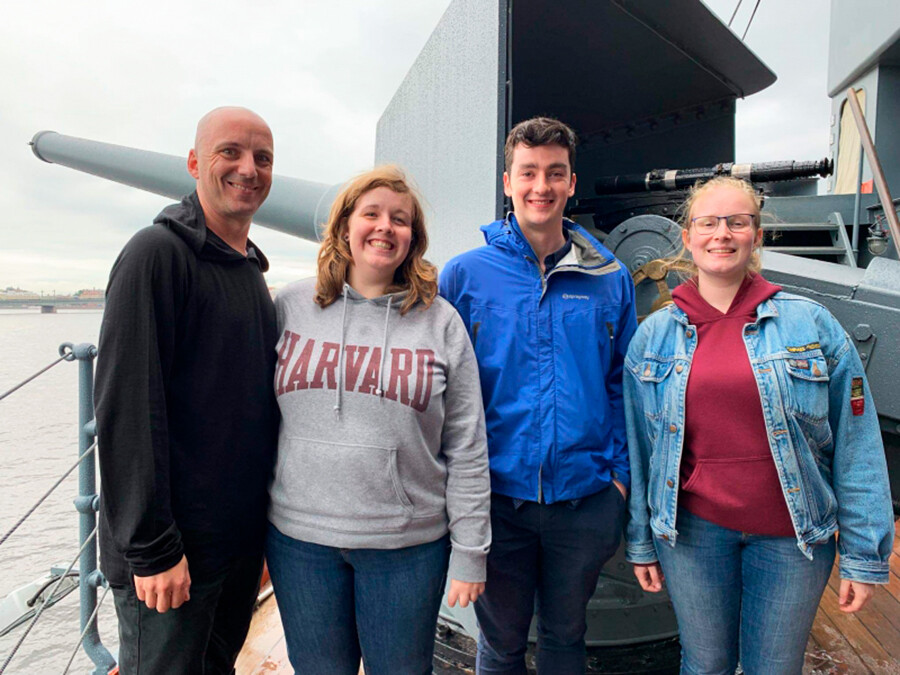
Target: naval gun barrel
column 679, row 179
column 296, row 207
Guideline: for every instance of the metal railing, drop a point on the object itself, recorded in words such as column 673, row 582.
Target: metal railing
column 881, row 186
column 87, row 504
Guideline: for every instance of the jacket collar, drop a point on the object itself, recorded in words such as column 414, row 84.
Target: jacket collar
column 586, row 250
column 767, row 308
column 678, row 314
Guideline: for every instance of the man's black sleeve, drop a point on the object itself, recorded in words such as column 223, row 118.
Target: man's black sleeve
column 147, row 287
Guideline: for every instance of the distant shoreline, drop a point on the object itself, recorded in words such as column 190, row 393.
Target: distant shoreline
column 95, row 304
column 60, row 309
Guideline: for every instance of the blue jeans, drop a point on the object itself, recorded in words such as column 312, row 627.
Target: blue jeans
column 338, row 605
column 742, row 597
column 545, row 557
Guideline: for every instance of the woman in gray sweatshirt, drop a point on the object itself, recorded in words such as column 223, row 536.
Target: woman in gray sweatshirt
column 382, row 474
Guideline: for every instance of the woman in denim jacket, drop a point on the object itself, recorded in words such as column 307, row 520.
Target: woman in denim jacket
column 751, row 426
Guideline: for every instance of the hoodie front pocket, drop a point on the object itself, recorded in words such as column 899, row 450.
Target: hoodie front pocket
column 345, row 487
column 734, row 488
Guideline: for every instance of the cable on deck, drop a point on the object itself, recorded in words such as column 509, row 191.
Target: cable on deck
column 87, row 627
column 68, row 356
column 47, row 494
column 40, row 610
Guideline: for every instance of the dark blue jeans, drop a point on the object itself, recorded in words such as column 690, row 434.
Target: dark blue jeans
column 202, row 637
column 544, row 557
column 744, row 596
column 338, row 605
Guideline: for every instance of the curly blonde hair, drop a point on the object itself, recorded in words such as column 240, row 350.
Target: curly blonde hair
column 681, row 262
column 415, row 275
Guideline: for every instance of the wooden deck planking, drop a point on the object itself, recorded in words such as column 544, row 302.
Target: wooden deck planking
column 264, row 644
column 869, row 634
column 835, row 655
column 865, row 642
column 893, row 586
column 882, row 608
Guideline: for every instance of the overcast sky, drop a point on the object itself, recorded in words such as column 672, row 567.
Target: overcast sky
column 320, row 72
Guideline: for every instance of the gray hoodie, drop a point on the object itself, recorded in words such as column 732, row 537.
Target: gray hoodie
column 382, row 442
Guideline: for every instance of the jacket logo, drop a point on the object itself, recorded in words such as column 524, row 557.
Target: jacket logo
column 857, row 397
column 314, row 366
column 575, row 296
column 804, row 348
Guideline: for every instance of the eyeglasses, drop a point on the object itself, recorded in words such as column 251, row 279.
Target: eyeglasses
column 739, row 222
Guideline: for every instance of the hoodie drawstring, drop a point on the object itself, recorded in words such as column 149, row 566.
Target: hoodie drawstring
column 387, row 316
column 340, row 377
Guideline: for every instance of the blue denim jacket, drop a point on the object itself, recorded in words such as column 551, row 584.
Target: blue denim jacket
column 822, row 427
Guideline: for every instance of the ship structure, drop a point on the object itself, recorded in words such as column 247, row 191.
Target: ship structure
column 654, row 108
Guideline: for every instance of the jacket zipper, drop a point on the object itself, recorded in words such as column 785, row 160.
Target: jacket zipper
column 543, row 278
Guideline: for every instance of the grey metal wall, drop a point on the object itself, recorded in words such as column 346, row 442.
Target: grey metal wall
column 887, row 130
column 446, row 123
column 861, row 32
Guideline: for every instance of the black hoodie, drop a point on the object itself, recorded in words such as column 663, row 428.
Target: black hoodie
column 186, row 415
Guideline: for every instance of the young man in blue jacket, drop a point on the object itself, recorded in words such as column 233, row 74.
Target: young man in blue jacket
column 550, row 312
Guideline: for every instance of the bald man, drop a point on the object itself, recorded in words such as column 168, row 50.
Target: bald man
column 186, row 415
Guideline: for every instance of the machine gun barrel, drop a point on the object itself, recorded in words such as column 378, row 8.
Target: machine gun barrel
column 679, row 179
column 296, row 207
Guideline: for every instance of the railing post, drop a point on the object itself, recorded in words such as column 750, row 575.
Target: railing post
column 87, row 504
column 862, row 156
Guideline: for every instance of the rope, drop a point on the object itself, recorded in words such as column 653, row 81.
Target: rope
column 87, row 627
column 47, row 494
column 755, row 7
column 734, row 14
column 65, row 357
column 40, row 610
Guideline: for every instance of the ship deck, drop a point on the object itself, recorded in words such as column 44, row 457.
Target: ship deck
column 855, row 644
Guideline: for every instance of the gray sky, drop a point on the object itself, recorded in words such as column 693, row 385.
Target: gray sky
column 321, row 73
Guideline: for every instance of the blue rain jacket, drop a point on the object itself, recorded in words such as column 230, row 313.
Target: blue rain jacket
column 550, row 350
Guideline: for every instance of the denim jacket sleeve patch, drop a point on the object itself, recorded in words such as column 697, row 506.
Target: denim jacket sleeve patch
column 859, row 474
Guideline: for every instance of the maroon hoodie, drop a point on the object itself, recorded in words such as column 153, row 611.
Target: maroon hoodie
column 728, row 475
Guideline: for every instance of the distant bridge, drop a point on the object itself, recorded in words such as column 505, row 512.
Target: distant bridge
column 49, row 303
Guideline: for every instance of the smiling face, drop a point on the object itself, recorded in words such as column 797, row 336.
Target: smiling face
column 722, row 254
column 232, row 162
column 539, row 181
column 379, row 232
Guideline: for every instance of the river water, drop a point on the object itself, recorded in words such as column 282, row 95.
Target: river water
column 38, row 443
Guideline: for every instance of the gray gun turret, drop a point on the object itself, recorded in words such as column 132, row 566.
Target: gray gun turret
column 294, row 206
